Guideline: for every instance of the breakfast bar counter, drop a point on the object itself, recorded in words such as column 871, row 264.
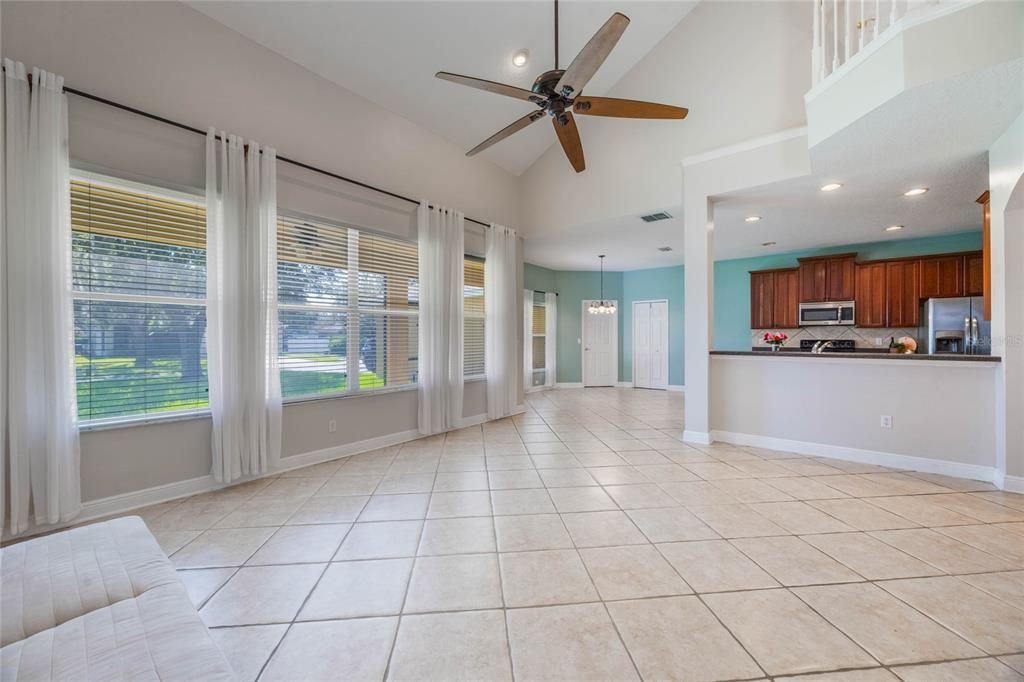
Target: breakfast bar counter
column 862, row 355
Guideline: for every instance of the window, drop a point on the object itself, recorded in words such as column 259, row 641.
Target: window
column 539, row 338
column 473, row 316
column 139, row 280
column 330, row 321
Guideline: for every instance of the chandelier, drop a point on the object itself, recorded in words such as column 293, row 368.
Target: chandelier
column 601, row 307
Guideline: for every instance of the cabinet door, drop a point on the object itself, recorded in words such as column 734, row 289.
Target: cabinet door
column 902, row 292
column 974, row 275
column 813, row 281
column 870, row 295
column 942, row 277
column 761, row 295
column 786, row 299
column 841, row 279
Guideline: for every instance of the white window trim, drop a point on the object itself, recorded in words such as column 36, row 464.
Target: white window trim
column 129, row 420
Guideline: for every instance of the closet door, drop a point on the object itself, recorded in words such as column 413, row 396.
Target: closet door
column 641, row 344
column 659, row 345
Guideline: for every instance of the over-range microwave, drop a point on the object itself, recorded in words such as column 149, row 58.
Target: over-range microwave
column 821, row 314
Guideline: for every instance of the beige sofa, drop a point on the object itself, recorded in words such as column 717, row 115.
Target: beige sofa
column 100, row 602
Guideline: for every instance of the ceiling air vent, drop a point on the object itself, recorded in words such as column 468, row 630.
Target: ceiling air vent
column 664, row 249
column 655, row 217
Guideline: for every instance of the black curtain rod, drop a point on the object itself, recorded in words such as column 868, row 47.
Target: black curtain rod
column 197, row 131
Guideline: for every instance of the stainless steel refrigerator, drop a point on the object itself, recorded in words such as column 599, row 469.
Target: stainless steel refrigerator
column 955, row 325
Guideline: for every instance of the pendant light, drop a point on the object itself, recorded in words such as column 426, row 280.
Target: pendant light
column 601, row 307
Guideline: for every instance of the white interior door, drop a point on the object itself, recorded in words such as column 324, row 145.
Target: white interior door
column 600, row 347
column 650, row 344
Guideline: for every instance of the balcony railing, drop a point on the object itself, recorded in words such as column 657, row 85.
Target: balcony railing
column 843, row 28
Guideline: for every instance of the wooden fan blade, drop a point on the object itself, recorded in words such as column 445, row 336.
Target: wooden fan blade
column 506, row 131
column 625, row 108
column 569, row 136
column 592, row 56
column 491, row 86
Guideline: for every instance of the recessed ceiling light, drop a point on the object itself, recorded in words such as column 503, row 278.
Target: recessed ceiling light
column 893, row 228
column 751, row 218
column 831, row 187
column 915, row 191
column 520, row 58
column 768, row 244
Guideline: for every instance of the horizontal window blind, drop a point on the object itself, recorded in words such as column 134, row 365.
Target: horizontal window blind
column 473, row 317
column 139, row 278
column 346, row 299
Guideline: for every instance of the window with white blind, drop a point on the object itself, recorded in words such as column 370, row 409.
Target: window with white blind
column 346, row 299
column 139, row 279
column 473, row 316
column 539, row 340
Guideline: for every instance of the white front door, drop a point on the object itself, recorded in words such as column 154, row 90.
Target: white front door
column 650, row 344
column 600, row 347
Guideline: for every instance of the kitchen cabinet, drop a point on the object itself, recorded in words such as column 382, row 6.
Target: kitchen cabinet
column 870, row 295
column 827, row 278
column 902, row 293
column 774, row 299
column 974, row 274
column 942, row 276
column 786, row 299
column 761, row 299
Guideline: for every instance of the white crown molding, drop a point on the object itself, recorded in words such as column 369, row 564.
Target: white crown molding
column 887, row 459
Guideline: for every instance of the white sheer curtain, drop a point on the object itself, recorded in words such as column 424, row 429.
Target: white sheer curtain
column 441, row 243
column 40, row 415
column 550, row 337
column 527, row 339
column 500, row 311
column 241, row 302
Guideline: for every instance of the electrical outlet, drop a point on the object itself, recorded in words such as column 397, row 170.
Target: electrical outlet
column 886, row 421
column 332, row 426
column 879, row 341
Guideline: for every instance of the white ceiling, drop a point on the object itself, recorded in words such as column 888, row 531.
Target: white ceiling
column 388, row 52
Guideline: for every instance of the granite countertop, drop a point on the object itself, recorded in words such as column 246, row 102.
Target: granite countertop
column 860, row 355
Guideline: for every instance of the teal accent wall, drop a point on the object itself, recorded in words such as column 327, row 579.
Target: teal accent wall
column 650, row 285
column 732, row 281
column 731, row 297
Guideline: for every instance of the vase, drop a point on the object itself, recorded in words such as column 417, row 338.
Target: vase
column 775, row 347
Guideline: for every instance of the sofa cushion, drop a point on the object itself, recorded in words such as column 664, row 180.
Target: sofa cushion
column 54, row 579
column 156, row 636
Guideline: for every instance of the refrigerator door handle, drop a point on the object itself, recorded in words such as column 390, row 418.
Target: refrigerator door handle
column 967, row 336
column 975, row 337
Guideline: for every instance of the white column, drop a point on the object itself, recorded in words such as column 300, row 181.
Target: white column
column 698, row 311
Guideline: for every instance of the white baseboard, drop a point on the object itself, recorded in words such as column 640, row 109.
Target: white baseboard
column 887, row 459
column 678, row 388
column 698, row 437
column 126, row 502
column 1013, row 484
column 624, row 384
column 576, row 384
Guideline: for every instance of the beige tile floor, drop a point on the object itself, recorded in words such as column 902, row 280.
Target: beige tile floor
column 582, row 540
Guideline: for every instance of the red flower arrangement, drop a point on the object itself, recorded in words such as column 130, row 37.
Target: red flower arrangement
column 774, row 339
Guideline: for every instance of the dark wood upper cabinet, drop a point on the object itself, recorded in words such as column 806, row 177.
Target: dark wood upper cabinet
column 841, row 279
column 786, row 299
column 903, row 293
column 813, row 281
column 827, row 278
column 942, row 276
column 871, row 295
column 974, row 274
column 761, row 299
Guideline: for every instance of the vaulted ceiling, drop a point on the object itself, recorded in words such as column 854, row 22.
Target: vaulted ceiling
column 388, row 52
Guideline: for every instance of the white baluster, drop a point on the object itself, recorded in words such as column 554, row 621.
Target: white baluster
column 835, row 35
column 816, row 44
column 847, row 30
column 861, row 26
column 878, row 17
column 824, row 23
column 892, row 13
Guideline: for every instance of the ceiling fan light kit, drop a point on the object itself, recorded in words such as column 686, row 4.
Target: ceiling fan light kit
column 558, row 93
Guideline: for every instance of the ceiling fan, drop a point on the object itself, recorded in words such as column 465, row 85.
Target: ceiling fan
column 558, row 93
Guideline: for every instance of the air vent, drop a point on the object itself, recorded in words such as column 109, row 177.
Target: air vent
column 655, row 217
column 664, row 249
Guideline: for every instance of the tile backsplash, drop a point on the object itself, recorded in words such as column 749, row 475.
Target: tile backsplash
column 863, row 337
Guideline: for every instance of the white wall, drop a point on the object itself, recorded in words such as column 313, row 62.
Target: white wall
column 740, row 67
column 168, row 59
column 942, row 412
